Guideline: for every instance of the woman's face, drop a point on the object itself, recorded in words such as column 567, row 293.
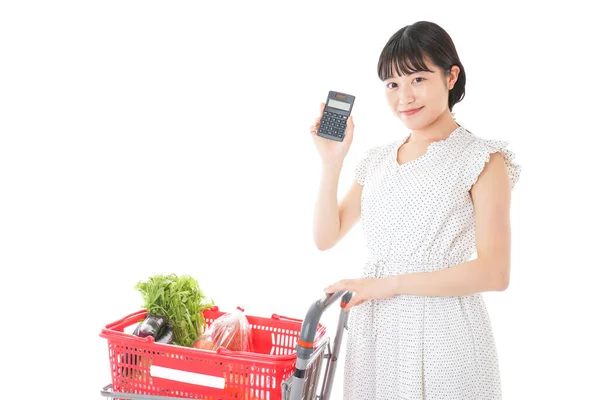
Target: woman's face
column 426, row 92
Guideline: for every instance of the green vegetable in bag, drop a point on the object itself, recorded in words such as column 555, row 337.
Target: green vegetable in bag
column 181, row 300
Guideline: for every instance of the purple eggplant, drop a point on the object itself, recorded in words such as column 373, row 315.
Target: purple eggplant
column 167, row 335
column 137, row 329
column 153, row 325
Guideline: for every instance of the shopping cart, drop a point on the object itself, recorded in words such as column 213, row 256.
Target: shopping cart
column 286, row 363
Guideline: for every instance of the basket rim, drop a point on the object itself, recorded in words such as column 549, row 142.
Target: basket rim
column 113, row 332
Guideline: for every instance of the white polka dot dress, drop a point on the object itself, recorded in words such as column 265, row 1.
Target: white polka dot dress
column 419, row 217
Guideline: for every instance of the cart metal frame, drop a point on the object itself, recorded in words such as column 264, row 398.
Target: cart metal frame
column 303, row 383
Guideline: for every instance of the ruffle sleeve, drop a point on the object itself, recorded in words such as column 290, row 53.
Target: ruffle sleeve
column 481, row 155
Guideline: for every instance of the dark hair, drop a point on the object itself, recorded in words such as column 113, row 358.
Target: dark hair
column 406, row 48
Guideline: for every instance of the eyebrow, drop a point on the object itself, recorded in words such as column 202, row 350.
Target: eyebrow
column 412, row 73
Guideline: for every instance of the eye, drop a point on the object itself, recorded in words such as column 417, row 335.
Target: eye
column 391, row 83
column 422, row 79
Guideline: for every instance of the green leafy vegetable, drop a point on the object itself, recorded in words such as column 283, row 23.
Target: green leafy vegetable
column 181, row 300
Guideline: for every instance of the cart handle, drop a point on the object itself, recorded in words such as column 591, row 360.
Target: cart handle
column 311, row 322
column 128, row 320
column 279, row 317
column 304, row 348
column 117, row 328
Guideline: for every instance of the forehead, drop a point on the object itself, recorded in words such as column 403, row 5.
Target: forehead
column 409, row 68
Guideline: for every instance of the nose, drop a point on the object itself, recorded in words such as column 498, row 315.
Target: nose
column 405, row 96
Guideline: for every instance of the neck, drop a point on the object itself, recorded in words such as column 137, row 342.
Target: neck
column 439, row 129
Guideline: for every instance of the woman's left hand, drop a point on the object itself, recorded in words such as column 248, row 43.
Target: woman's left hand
column 365, row 289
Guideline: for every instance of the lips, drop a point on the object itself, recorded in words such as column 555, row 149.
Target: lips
column 411, row 111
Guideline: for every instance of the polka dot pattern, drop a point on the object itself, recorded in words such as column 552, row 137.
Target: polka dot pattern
column 419, row 217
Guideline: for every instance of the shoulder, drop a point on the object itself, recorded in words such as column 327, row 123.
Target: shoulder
column 369, row 158
column 495, row 152
column 482, row 144
column 375, row 153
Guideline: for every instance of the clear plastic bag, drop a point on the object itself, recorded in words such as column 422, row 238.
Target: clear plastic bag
column 231, row 331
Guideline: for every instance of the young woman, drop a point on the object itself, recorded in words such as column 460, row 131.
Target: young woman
column 418, row 324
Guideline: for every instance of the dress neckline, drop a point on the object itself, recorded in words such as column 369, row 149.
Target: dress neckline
column 431, row 147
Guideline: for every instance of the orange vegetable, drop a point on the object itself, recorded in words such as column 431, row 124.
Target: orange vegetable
column 205, row 344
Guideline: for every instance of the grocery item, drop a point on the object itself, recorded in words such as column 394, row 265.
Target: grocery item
column 153, row 325
column 167, row 335
column 205, row 344
column 231, row 331
column 181, row 300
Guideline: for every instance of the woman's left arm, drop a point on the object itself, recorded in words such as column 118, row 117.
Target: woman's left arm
column 490, row 271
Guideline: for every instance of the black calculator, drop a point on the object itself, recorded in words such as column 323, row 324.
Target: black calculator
column 335, row 115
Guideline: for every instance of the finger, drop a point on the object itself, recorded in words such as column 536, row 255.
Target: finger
column 345, row 284
column 349, row 125
column 334, row 288
column 331, row 289
column 355, row 301
column 348, row 306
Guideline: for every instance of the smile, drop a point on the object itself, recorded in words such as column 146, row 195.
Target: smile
column 411, row 112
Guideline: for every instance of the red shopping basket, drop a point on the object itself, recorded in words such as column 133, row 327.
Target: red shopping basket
column 140, row 366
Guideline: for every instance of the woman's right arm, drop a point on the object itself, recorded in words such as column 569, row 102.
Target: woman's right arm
column 332, row 222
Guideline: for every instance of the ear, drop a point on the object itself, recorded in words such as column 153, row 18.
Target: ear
column 452, row 76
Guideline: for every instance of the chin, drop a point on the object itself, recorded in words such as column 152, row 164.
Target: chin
column 417, row 123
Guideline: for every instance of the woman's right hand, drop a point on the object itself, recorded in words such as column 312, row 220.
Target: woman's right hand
column 332, row 152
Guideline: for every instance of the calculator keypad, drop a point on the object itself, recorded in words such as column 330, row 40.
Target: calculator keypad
column 333, row 124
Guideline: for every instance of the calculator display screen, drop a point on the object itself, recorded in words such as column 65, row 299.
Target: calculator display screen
column 339, row 104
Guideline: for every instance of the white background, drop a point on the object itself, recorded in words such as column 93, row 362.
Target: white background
column 143, row 137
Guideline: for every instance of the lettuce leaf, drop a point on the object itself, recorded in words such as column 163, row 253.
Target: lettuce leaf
column 181, row 300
